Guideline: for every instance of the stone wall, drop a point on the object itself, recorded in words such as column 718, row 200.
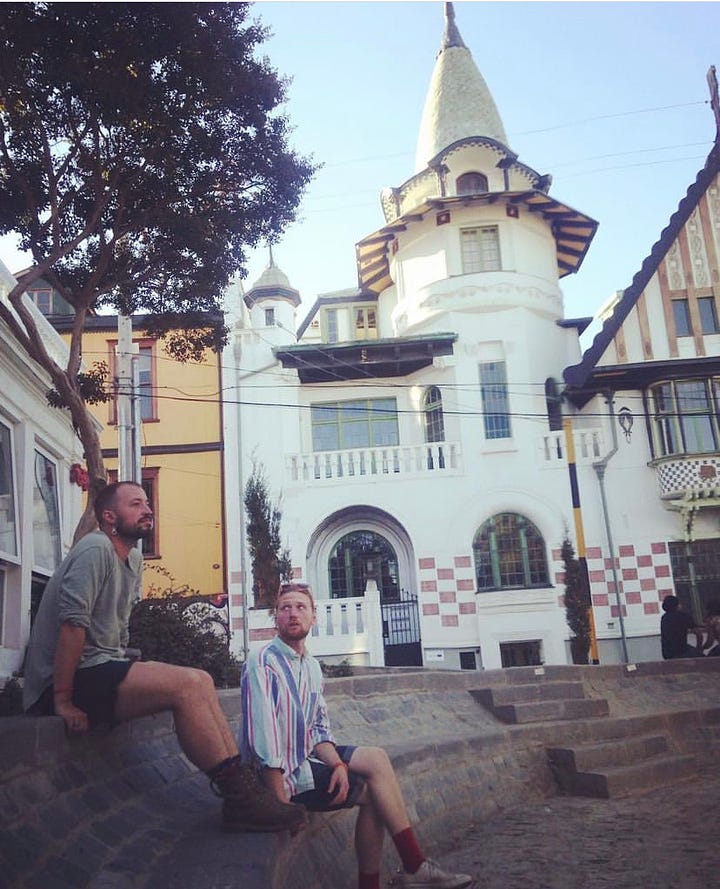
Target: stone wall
column 125, row 810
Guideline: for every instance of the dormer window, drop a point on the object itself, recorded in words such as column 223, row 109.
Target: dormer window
column 471, row 183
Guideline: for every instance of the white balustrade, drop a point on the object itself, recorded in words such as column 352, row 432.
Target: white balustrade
column 343, row 627
column 588, row 446
column 361, row 463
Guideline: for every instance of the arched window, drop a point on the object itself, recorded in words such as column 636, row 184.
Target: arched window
column 553, row 403
column 358, row 555
column 433, row 410
column 471, row 183
column 509, row 554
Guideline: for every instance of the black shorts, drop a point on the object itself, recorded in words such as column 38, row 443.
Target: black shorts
column 94, row 692
column 318, row 799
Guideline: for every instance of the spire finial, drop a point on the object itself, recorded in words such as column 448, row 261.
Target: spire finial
column 451, row 37
column 714, row 98
column 271, row 264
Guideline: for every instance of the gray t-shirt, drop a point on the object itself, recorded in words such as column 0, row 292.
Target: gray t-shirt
column 93, row 589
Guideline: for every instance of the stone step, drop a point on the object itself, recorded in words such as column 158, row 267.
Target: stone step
column 550, row 711
column 618, row 752
column 627, row 780
column 537, row 691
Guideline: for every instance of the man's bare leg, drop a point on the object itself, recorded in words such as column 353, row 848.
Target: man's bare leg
column 369, row 836
column 206, row 739
column 202, row 729
column 374, row 765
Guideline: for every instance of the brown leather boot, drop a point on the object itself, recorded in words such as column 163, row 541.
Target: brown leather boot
column 250, row 806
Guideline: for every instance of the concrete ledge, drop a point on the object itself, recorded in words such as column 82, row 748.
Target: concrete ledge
column 125, row 810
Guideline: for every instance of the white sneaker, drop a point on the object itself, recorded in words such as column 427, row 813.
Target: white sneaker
column 430, row 874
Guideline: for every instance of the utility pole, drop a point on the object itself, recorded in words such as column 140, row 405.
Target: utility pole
column 128, row 403
column 123, row 377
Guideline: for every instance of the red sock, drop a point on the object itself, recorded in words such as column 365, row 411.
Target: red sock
column 368, row 881
column 408, row 849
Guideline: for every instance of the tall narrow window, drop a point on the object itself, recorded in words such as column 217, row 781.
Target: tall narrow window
column 681, row 313
column 434, row 420
column 471, row 183
column 708, row 314
column 8, row 522
column 46, row 515
column 331, row 326
column 270, row 317
column 480, row 249
column 145, row 381
column 553, row 403
column 494, row 393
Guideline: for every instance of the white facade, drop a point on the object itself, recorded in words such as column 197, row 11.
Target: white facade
column 414, row 432
column 39, row 507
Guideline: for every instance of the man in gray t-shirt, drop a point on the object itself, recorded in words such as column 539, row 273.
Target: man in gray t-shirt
column 77, row 669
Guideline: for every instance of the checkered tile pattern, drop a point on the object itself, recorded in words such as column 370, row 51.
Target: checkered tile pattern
column 447, row 591
column 679, row 476
column 644, row 576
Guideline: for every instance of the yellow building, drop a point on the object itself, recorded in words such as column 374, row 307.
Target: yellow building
column 181, row 447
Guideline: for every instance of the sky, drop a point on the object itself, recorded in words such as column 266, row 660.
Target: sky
column 610, row 98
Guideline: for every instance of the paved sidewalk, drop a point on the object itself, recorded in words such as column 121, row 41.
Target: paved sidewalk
column 664, row 839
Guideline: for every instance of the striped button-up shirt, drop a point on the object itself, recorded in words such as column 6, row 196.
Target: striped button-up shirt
column 284, row 712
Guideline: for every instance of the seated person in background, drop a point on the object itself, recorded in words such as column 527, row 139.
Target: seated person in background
column 712, row 627
column 675, row 625
column 286, row 731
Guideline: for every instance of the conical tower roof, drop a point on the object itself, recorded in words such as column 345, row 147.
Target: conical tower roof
column 458, row 103
column 272, row 283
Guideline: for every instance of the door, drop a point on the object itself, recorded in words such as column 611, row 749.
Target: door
column 401, row 630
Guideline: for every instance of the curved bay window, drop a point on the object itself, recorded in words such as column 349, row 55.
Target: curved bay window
column 509, row 554
column 471, row 183
column 686, row 416
column 358, row 556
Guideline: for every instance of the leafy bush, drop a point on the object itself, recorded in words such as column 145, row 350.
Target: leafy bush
column 168, row 629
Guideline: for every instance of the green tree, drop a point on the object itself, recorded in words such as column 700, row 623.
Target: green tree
column 577, row 603
column 141, row 153
column 271, row 563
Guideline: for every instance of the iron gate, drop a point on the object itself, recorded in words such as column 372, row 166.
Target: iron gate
column 401, row 631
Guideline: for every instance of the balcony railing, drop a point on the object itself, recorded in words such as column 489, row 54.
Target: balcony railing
column 343, row 628
column 589, row 446
column 363, row 463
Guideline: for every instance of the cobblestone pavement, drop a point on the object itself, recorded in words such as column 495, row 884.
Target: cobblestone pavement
column 664, row 839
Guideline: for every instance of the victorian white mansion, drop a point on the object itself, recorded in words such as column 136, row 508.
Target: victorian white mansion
column 416, row 427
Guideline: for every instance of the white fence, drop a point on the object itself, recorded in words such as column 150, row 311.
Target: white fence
column 344, row 628
column 361, row 463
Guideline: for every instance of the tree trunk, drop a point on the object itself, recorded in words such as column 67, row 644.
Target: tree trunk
column 580, row 650
column 92, row 451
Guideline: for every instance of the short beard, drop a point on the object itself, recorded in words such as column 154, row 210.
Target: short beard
column 134, row 533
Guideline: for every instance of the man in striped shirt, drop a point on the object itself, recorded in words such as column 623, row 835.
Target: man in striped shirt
column 287, row 733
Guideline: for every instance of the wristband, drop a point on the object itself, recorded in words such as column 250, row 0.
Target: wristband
column 341, row 764
column 62, row 691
